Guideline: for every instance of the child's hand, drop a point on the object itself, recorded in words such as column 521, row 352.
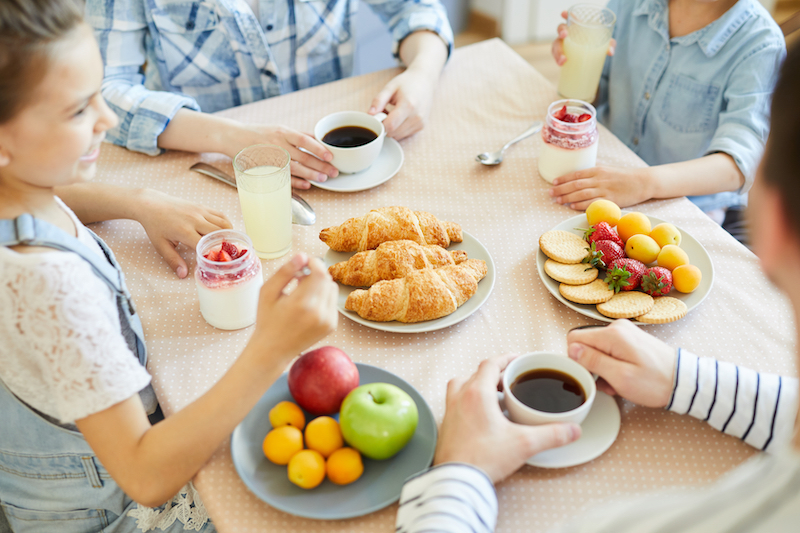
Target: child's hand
column 170, row 221
column 623, row 186
column 558, row 44
column 291, row 323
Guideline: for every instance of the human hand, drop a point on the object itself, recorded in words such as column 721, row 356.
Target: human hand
column 292, row 322
column 476, row 432
column 558, row 45
column 169, row 221
column 623, row 186
column 631, row 363
column 411, row 94
column 305, row 167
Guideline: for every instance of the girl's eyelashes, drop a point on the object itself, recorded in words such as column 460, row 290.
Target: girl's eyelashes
column 81, row 111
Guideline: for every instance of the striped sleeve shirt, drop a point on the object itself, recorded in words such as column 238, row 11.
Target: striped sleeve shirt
column 162, row 55
column 763, row 495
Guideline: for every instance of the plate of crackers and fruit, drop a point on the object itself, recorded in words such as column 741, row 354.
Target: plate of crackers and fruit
column 406, row 271
column 608, row 264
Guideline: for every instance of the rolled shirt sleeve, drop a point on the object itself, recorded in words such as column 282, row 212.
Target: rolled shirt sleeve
column 404, row 17
column 756, row 407
column 453, row 497
column 744, row 120
column 121, row 30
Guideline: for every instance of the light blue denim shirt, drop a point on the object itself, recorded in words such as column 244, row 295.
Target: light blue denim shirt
column 162, row 55
column 676, row 99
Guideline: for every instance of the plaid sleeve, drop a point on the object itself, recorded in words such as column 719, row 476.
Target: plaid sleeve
column 404, row 17
column 120, row 28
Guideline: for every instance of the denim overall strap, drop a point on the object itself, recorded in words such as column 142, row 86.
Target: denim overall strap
column 28, row 230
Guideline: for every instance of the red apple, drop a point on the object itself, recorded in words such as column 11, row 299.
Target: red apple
column 320, row 379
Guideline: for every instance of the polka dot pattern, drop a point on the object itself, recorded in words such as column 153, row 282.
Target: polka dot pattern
column 486, row 96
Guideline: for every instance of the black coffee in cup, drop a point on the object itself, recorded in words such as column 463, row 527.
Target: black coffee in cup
column 548, row 390
column 349, row 136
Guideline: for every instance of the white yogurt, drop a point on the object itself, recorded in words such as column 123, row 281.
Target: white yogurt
column 228, row 291
column 555, row 161
column 568, row 145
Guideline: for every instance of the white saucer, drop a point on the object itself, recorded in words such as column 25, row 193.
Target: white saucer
column 382, row 170
column 600, row 429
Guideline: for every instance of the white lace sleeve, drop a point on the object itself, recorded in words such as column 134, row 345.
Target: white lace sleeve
column 62, row 352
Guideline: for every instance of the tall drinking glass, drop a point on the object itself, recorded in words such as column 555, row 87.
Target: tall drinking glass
column 265, row 193
column 589, row 29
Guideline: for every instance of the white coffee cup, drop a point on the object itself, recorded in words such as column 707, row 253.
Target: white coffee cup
column 353, row 159
column 523, row 414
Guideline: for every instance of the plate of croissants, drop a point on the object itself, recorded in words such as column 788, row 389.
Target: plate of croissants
column 407, row 271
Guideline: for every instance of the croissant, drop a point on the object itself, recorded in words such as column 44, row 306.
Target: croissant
column 422, row 295
column 390, row 224
column 392, row 260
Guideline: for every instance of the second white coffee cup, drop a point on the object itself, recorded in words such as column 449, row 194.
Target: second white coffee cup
column 523, row 414
column 350, row 160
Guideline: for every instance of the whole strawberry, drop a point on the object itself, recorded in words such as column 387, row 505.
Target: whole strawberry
column 603, row 253
column 601, row 232
column 657, row 281
column 625, row 274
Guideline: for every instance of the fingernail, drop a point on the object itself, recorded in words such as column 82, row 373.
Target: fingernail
column 372, row 110
column 575, row 432
column 611, row 50
column 575, row 351
column 552, row 192
column 334, row 173
column 182, row 272
column 300, row 260
column 328, row 156
column 321, row 177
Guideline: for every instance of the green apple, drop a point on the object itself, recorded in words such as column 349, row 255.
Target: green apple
column 378, row 419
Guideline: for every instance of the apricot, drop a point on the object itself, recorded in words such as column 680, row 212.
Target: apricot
column 642, row 248
column 603, row 211
column 665, row 233
column 686, row 278
column 631, row 224
column 671, row 257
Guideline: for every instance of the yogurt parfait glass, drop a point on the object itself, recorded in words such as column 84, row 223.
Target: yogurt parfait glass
column 228, row 278
column 569, row 139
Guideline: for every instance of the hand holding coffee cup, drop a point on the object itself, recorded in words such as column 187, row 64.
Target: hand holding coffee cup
column 540, row 388
column 354, row 138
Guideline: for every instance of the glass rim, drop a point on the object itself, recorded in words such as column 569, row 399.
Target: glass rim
column 608, row 24
column 236, row 166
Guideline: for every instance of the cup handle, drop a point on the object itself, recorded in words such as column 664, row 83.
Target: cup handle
column 501, row 399
column 380, row 116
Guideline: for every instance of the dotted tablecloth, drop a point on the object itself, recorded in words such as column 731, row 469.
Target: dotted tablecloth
column 486, row 96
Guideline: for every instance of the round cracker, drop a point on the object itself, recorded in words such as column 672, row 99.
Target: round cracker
column 592, row 293
column 665, row 309
column 574, row 274
column 626, row 305
column 563, row 246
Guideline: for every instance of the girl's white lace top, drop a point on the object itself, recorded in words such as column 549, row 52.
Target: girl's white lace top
column 62, row 351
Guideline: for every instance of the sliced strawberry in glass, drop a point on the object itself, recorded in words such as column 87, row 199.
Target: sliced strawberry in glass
column 584, row 117
column 212, row 255
column 223, row 256
column 561, row 113
column 231, row 249
column 569, row 117
column 241, row 253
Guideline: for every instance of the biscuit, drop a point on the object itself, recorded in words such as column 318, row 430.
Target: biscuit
column 592, row 293
column 563, row 246
column 626, row 305
column 665, row 309
column 574, row 274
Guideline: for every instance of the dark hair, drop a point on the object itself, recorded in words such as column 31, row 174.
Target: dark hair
column 27, row 30
column 781, row 166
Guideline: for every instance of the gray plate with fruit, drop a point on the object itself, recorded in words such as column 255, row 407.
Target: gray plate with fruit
column 379, row 486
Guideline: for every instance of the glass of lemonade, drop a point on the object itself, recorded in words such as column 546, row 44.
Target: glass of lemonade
column 264, row 181
column 589, row 30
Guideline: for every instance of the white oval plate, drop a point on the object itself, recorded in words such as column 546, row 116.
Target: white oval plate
column 698, row 256
column 474, row 249
column 382, row 170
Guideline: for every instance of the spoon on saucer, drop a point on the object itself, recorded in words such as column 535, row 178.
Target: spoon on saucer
column 495, row 158
column 302, row 213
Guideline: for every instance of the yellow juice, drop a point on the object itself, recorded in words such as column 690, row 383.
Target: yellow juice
column 586, row 50
column 265, row 195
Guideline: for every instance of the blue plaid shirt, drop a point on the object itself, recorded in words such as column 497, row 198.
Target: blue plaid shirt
column 162, row 55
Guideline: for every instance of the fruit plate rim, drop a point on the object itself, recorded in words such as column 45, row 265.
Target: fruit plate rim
column 328, row 501
column 475, row 250
column 696, row 252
